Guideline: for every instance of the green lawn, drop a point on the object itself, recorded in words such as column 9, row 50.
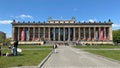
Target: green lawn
column 26, row 58
column 98, row 46
column 30, row 46
column 113, row 54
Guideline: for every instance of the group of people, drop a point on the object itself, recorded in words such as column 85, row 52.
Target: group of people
column 13, row 50
column 15, row 46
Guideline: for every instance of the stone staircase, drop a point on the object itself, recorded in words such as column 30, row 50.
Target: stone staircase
column 60, row 42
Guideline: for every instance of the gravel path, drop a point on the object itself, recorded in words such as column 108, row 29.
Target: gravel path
column 68, row 57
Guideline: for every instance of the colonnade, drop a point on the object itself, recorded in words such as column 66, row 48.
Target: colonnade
column 62, row 33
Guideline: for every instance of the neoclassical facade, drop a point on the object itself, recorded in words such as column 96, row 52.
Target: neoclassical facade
column 63, row 31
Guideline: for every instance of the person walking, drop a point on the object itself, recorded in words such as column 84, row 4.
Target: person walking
column 54, row 47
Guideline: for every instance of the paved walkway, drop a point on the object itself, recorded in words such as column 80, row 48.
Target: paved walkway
column 68, row 57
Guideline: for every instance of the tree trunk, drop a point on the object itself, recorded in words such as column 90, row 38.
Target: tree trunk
column 0, row 50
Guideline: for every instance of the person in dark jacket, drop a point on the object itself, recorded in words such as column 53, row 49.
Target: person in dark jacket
column 15, row 48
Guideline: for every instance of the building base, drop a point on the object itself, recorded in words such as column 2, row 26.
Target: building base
column 65, row 42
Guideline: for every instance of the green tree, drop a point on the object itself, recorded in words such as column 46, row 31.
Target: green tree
column 7, row 41
column 0, row 44
column 116, row 36
column 2, row 40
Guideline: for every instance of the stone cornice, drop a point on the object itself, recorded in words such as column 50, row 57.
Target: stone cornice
column 71, row 22
column 62, row 23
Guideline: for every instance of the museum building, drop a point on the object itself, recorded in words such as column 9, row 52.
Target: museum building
column 62, row 31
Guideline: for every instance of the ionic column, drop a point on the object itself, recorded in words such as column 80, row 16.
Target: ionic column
column 33, row 33
column 68, row 34
column 104, row 33
column 58, row 34
column 99, row 33
column 24, row 33
column 89, row 34
column 54, row 34
column 78, row 33
column 94, row 33
column 44, row 33
column 63, row 33
column 74, row 33
column 38, row 33
column 13, row 33
column 110, row 33
column 18, row 33
column 84, row 34
column 28, row 34
column 49, row 33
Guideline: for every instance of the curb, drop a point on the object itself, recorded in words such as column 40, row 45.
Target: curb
column 41, row 64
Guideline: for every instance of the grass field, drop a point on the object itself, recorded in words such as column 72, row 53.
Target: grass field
column 30, row 46
column 26, row 58
column 98, row 46
column 113, row 54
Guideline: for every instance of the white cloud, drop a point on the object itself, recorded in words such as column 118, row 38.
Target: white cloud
column 91, row 20
column 82, row 21
column 23, row 16
column 5, row 21
column 116, row 25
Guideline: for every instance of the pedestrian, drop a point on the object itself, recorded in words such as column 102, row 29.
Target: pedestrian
column 15, row 48
column 54, row 47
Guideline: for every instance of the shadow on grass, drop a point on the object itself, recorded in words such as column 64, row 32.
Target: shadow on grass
column 19, row 65
column 16, row 55
column 35, row 53
column 20, row 54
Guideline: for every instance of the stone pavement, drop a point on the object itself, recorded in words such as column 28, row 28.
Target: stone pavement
column 68, row 57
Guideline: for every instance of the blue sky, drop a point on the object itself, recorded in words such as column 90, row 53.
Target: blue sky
column 40, row 10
